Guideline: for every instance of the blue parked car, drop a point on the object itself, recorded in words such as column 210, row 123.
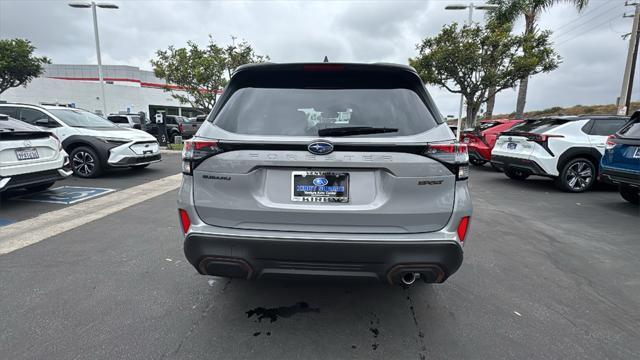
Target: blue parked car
column 620, row 164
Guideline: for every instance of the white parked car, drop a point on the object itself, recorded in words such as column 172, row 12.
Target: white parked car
column 29, row 157
column 566, row 148
column 93, row 143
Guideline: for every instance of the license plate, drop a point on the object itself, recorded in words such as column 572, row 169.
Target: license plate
column 320, row 186
column 27, row 154
column 511, row 146
column 637, row 153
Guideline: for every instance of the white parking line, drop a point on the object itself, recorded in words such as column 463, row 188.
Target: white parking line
column 31, row 231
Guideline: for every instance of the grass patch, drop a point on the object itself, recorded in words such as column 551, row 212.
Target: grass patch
column 177, row 147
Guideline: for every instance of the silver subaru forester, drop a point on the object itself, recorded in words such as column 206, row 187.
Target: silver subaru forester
column 325, row 170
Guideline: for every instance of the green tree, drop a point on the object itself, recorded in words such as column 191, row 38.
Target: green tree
column 201, row 71
column 18, row 66
column 509, row 11
column 470, row 60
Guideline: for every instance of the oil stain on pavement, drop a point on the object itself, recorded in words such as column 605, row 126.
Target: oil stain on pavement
column 283, row 311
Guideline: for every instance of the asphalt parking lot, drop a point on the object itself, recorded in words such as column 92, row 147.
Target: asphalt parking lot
column 547, row 275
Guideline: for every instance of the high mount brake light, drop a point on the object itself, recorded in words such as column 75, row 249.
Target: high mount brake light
column 196, row 151
column 610, row 144
column 323, row 67
column 452, row 155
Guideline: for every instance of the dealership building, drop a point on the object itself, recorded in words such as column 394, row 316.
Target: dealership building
column 127, row 89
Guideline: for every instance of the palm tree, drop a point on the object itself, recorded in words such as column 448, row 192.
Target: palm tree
column 509, row 11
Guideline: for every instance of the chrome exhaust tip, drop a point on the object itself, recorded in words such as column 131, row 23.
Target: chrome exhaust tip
column 409, row 278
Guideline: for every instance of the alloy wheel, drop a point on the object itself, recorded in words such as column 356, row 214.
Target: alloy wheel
column 83, row 163
column 579, row 176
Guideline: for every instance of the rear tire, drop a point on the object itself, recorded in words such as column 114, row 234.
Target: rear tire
column 516, row 174
column 477, row 162
column 630, row 194
column 40, row 187
column 85, row 162
column 577, row 175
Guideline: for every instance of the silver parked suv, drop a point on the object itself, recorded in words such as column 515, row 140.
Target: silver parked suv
column 325, row 170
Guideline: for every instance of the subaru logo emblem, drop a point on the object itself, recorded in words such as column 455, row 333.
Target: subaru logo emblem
column 320, row 148
column 509, row 138
column 320, row 181
column 27, row 143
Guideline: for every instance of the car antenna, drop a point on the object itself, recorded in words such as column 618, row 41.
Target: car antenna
column 326, row 59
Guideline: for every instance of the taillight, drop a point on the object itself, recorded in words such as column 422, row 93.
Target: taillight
column 196, row 151
column 184, row 220
column 57, row 140
column 540, row 138
column 180, row 128
column 463, row 226
column 610, row 144
column 453, row 155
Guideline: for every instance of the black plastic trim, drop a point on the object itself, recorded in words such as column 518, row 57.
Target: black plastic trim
column 575, row 152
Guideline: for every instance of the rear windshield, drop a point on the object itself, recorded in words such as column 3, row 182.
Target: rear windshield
column 631, row 130
column 538, row 126
column 485, row 125
column 135, row 119
column 302, row 112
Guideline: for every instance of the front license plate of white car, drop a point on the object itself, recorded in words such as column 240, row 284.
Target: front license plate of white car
column 512, row 146
column 320, row 186
column 637, row 153
column 27, row 154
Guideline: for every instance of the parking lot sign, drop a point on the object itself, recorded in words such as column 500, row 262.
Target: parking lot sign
column 66, row 194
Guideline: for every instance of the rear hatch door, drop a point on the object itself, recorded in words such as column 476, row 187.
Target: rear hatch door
column 269, row 175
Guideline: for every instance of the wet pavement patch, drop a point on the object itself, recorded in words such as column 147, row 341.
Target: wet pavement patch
column 283, row 311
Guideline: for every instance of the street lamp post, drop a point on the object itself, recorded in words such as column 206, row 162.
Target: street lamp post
column 93, row 5
column 471, row 7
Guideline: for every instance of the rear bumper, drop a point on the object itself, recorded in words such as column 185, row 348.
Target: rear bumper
column 262, row 254
column 507, row 162
column 479, row 152
column 33, row 179
column 619, row 177
column 268, row 258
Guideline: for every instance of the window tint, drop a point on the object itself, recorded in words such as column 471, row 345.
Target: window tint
column 30, row 116
column 9, row 111
column 135, row 119
column 632, row 130
column 538, row 126
column 81, row 118
column 302, row 112
column 171, row 121
column 118, row 119
column 606, row 127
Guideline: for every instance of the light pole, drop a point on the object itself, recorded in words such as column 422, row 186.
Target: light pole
column 93, row 5
column 471, row 7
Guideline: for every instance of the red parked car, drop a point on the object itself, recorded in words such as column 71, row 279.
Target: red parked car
column 481, row 139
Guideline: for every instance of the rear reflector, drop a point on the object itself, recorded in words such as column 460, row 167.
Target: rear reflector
column 184, row 221
column 463, row 226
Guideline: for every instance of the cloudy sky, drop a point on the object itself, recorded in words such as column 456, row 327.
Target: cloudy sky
column 352, row 31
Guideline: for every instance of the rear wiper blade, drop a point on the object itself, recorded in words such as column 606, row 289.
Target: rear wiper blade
column 354, row 130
